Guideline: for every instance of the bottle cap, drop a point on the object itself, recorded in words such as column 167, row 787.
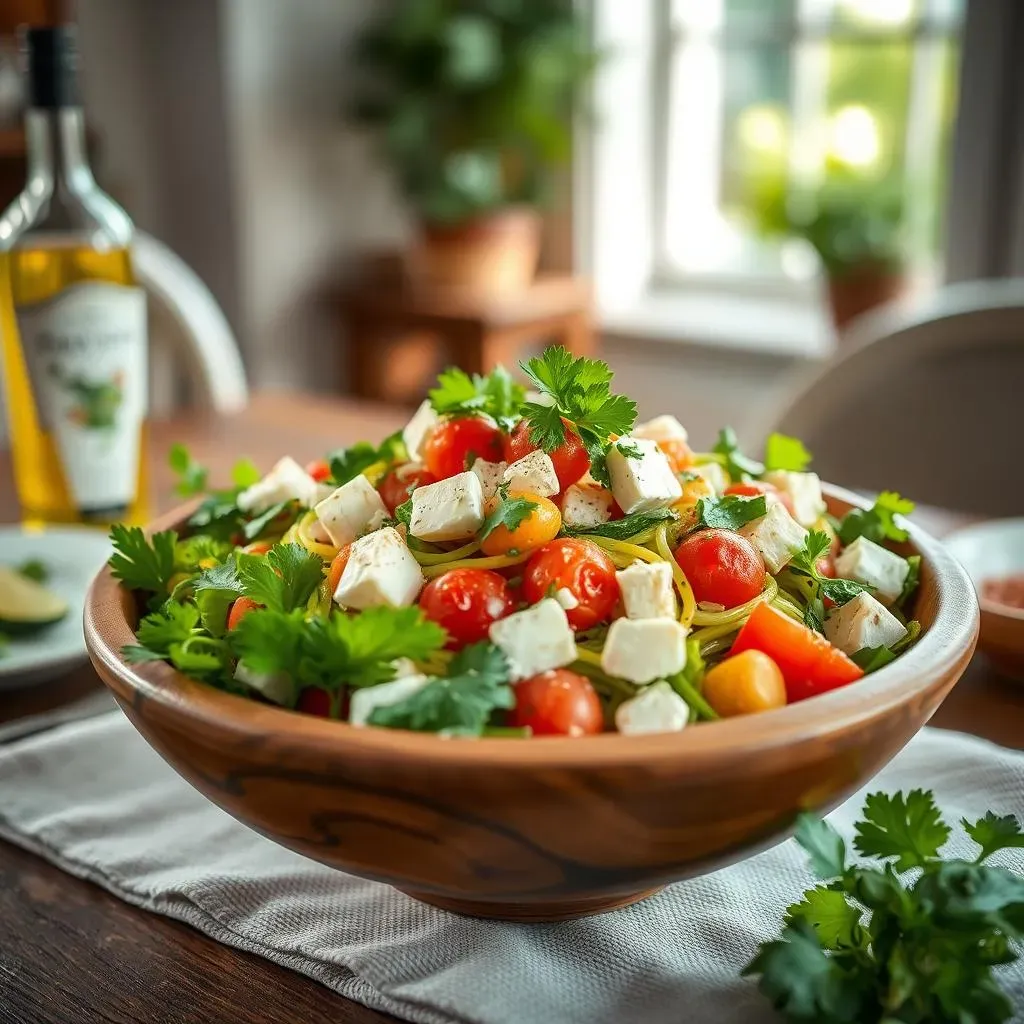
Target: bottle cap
column 51, row 66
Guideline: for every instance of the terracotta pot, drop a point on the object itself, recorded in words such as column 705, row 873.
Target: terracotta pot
column 495, row 254
column 861, row 290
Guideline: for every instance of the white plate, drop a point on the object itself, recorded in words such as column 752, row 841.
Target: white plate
column 73, row 557
column 989, row 550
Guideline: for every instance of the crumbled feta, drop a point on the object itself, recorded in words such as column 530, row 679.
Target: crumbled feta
column 656, row 708
column 714, row 474
column 418, row 430
column 533, row 473
column 804, row 490
column 275, row 686
column 640, row 484
column 777, row 535
column 585, row 506
column 877, row 567
column 353, row 509
column 647, row 591
column 661, row 428
column 642, row 650
column 366, row 699
column 536, row 639
column 380, row 571
column 451, row 509
column 287, row 481
column 566, row 598
column 863, row 622
column 489, row 474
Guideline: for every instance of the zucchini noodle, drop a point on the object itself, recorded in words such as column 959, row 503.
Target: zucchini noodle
column 443, row 557
column 298, row 533
column 681, row 582
column 492, row 562
column 625, row 549
column 741, row 612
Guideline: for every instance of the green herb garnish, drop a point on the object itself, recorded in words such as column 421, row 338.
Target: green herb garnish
column 730, row 512
column 805, row 563
column 191, row 475
column 497, row 395
column 509, row 512
column 737, row 465
column 626, row 527
column 139, row 563
column 878, row 523
column 347, row 463
column 785, row 453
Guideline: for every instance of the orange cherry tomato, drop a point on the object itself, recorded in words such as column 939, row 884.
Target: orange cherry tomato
column 678, row 453
column 319, row 470
column 744, row 684
column 453, row 441
column 558, row 703
column 338, row 567
column 240, row 607
column 465, row 602
column 539, row 526
column 397, row 485
column 722, row 567
column 259, row 547
column 582, row 568
column 570, row 458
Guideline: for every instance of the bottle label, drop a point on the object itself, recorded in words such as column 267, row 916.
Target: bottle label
column 86, row 355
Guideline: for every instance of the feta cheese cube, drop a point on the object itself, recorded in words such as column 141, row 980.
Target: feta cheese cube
column 417, row 431
column 566, row 598
column 777, row 535
column 275, row 686
column 366, row 699
column 533, row 473
column 536, row 639
column 647, row 591
column 287, row 481
column 489, row 474
column 585, row 506
column 640, row 484
column 714, row 474
column 656, row 708
column 451, row 509
column 863, row 622
column 661, row 428
column 380, row 571
column 353, row 509
column 642, row 650
column 875, row 566
column 804, row 490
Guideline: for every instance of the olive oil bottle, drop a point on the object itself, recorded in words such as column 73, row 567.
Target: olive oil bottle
column 72, row 319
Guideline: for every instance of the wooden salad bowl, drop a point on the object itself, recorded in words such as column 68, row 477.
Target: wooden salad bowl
column 540, row 829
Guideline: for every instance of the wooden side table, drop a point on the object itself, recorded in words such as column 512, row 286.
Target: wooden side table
column 399, row 337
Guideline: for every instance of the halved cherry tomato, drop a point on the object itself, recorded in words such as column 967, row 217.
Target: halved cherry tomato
column 397, row 485
column 465, row 602
column 452, row 442
column 240, row 607
column 678, row 453
column 319, row 470
column 539, row 526
column 809, row 663
column 557, row 703
column 745, row 683
column 582, row 568
column 570, row 458
column 722, row 567
column 338, row 567
column 754, row 488
column 314, row 700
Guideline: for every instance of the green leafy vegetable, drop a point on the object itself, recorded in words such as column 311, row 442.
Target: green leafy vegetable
column 139, row 563
column 688, row 684
column 731, row 511
column 347, row 463
column 403, row 514
column 786, row 453
column 191, row 475
column 805, row 563
column 174, row 634
column 282, row 580
column 218, row 516
column 510, row 512
column 871, row 659
column 259, row 524
column 910, row 584
column 626, row 527
column 878, row 523
column 737, row 465
column 497, row 395
column 34, row 569
column 244, row 473
column 870, row 946
column 460, row 703
column 191, row 553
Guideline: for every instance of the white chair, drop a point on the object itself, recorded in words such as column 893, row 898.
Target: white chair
column 927, row 401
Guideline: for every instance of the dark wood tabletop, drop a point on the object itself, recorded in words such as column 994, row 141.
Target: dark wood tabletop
column 70, row 952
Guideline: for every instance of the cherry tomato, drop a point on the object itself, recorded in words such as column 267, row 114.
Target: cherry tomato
column 397, row 485
column 722, row 567
column 465, row 602
column 570, row 458
column 260, row 547
column 453, row 441
column 582, row 568
column 558, row 703
column 240, row 607
column 753, row 488
column 319, row 470
column 314, row 700
column 678, row 453
column 539, row 526
column 809, row 663
column 338, row 567
column 744, row 684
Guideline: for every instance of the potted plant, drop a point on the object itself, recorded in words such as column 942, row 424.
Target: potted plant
column 472, row 103
column 854, row 223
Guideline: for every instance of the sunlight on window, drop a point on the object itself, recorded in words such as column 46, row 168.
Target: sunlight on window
column 762, row 129
column 880, row 13
column 853, row 137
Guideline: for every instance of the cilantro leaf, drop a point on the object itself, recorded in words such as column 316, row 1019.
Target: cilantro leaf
column 785, row 453
column 835, row 920
column 214, row 590
column 191, row 475
column 909, row 829
column 805, row 563
column 173, row 634
column 403, row 514
column 994, row 833
column 173, row 624
column 244, row 473
column 509, row 512
column 731, row 511
column 877, row 523
column 626, row 527
column 910, row 584
column 347, row 463
column 460, row 703
column 824, row 846
column 34, row 569
column 139, row 563
column 871, row 659
column 218, row 515
column 255, row 527
column 737, row 465
column 497, row 395
column 282, row 580
column 271, row 642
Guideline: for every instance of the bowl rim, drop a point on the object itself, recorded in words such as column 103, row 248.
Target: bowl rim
column 185, row 704
column 984, row 529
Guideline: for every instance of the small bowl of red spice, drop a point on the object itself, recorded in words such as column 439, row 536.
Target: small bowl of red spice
column 993, row 555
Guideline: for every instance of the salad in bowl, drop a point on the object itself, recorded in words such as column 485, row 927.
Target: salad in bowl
column 525, row 560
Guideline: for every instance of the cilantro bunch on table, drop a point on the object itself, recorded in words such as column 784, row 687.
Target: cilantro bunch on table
column 911, row 940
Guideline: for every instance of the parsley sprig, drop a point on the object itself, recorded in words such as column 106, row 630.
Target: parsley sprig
column 139, row 563
column 872, row 945
column 737, row 465
column 579, row 391
column 347, row 463
column 191, row 475
column 510, row 512
column 805, row 564
column 877, row 523
column 497, row 395
column 785, row 453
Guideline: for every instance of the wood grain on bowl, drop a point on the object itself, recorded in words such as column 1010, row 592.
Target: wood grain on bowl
column 544, row 828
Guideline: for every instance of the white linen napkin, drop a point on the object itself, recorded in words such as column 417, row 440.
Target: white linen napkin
column 94, row 799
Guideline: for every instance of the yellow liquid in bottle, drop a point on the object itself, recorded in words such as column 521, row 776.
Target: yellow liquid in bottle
column 29, row 276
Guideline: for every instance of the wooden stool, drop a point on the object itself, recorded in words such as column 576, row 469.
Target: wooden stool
column 399, row 337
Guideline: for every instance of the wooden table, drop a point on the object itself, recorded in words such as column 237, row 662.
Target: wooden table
column 69, row 952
